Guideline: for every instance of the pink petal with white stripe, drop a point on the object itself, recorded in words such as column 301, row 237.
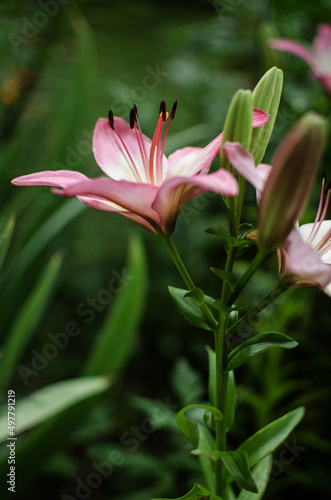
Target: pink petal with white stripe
column 60, row 178
column 110, row 154
column 301, row 265
column 175, row 192
column 134, row 197
column 244, row 163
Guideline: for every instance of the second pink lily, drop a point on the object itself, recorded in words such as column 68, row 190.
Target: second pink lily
column 144, row 185
column 318, row 58
column 304, row 258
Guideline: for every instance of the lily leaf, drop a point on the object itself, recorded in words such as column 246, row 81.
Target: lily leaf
column 26, row 319
column 196, row 493
column 225, row 276
column 212, row 375
column 5, row 239
column 113, row 345
column 257, row 344
column 196, row 295
column 190, row 310
column 236, row 463
column 218, row 230
column 50, row 401
column 267, row 439
column 190, row 428
column 231, row 401
column 260, row 474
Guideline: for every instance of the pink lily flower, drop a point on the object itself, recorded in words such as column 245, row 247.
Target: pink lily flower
column 143, row 184
column 318, row 58
column 304, row 259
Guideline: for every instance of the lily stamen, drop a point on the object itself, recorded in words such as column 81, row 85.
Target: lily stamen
column 163, row 115
column 317, row 225
column 131, row 162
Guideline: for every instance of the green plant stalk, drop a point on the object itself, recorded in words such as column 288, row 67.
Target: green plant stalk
column 255, row 264
column 221, row 353
column 279, row 290
column 239, row 203
column 173, row 252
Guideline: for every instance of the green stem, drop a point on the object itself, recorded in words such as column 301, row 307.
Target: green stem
column 240, row 202
column 221, row 354
column 265, row 302
column 221, row 398
column 173, row 252
column 255, row 264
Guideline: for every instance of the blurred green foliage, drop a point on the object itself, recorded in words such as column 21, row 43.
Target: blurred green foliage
column 59, row 72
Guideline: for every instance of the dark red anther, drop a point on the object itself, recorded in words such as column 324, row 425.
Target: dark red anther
column 173, row 111
column 163, row 110
column 111, row 119
column 132, row 117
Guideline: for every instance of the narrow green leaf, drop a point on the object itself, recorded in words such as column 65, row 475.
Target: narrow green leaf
column 212, row 375
column 115, row 341
column 218, row 230
column 231, row 401
column 260, row 474
column 267, row 439
column 41, row 443
column 197, row 492
column 225, row 276
column 196, row 295
column 190, row 310
column 14, row 273
column 266, row 96
column 5, row 239
column 236, row 463
column 207, row 443
column 49, row 401
column 257, row 344
column 190, row 428
column 26, row 319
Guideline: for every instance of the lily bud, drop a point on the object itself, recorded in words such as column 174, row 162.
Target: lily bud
column 266, row 96
column 288, row 185
column 238, row 123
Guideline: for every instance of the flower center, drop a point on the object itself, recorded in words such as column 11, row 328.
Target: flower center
column 323, row 244
column 152, row 161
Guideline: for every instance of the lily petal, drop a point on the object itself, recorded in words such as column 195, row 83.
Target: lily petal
column 244, row 163
column 302, row 263
column 110, row 154
column 259, row 117
column 175, row 192
column 322, row 41
column 324, row 228
column 293, row 48
column 60, row 178
column 191, row 161
column 131, row 196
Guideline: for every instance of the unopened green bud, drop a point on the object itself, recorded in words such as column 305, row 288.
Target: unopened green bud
column 286, row 191
column 266, row 96
column 238, row 122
